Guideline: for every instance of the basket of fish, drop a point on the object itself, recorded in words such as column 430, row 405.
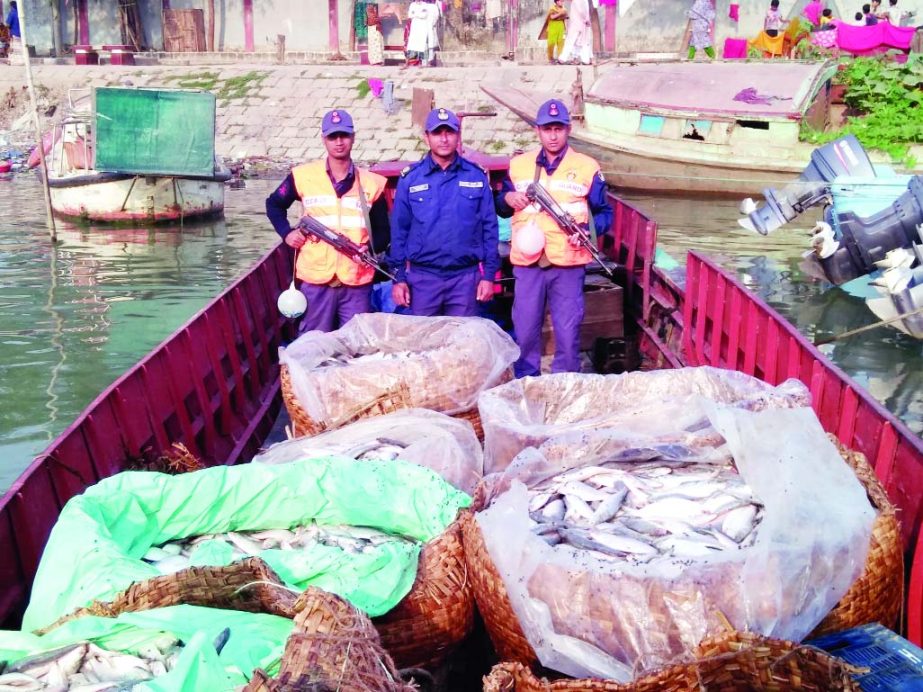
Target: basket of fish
column 439, row 442
column 332, row 646
column 528, row 411
column 383, row 535
column 612, row 553
column 380, row 362
column 725, row 663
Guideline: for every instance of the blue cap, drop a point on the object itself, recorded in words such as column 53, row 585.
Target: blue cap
column 336, row 121
column 441, row 117
column 552, row 111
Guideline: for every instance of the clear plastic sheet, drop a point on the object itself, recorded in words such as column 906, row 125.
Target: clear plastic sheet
column 592, row 617
column 446, row 362
column 441, row 443
column 526, row 412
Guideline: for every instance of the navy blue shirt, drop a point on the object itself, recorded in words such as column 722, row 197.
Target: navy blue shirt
column 444, row 221
column 596, row 197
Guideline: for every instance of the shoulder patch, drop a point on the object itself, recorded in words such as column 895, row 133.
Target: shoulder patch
column 406, row 170
column 601, row 177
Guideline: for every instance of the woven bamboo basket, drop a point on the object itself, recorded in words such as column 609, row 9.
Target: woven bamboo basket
column 249, row 585
column 402, row 396
column 424, row 628
column 876, row 596
column 438, row 613
column 332, row 646
column 731, row 662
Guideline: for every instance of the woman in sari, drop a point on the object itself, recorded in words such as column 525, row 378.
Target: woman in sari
column 578, row 45
column 376, row 40
column 702, row 16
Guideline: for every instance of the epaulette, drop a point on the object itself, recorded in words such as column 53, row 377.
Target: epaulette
column 410, row 167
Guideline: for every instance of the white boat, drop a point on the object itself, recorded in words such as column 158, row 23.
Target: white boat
column 723, row 128
column 129, row 192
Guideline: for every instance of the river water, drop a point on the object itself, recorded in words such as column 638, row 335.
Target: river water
column 75, row 316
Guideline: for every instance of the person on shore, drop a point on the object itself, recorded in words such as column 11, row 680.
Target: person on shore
column 347, row 199
column 826, row 17
column 375, row 38
column 444, row 228
column 578, row 43
column 549, row 266
column 870, row 18
column 422, row 40
column 702, row 16
column 12, row 20
column 773, row 22
column 553, row 30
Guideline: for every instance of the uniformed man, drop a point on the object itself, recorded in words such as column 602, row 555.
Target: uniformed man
column 550, row 271
column 443, row 228
column 341, row 196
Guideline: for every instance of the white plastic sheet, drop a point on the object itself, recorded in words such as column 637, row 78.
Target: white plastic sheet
column 586, row 616
column 441, row 443
column 446, row 362
column 528, row 411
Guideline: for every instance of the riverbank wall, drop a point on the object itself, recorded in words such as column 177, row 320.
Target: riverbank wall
column 269, row 115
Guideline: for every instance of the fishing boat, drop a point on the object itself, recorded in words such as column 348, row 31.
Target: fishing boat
column 720, row 128
column 214, row 386
column 137, row 156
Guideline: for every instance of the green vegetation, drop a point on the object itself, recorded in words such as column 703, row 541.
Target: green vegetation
column 496, row 146
column 225, row 90
column 362, row 86
column 887, row 101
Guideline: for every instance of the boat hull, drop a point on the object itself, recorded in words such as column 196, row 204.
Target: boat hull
column 137, row 199
column 666, row 174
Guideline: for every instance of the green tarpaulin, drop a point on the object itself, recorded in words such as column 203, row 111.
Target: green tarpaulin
column 155, row 131
column 95, row 549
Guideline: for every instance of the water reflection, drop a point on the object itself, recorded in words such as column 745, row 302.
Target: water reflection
column 75, row 316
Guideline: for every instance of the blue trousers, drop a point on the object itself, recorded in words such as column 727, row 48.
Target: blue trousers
column 560, row 290
column 330, row 307
column 432, row 295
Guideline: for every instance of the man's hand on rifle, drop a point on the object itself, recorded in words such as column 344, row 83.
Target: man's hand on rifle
column 517, row 200
column 295, row 239
column 574, row 240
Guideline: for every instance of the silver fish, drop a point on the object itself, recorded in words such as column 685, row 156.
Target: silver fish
column 608, row 507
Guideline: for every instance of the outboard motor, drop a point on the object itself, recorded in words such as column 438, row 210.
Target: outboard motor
column 844, row 156
column 865, row 241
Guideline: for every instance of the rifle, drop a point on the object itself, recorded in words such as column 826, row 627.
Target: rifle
column 312, row 228
column 539, row 195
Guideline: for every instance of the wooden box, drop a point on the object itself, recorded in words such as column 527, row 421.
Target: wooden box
column 603, row 317
column 183, row 31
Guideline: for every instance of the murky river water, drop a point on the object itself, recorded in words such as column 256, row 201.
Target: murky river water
column 76, row 316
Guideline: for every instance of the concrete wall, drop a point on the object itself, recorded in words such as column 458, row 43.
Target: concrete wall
column 641, row 26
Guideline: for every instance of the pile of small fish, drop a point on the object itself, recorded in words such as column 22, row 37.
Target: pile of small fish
column 643, row 511
column 379, row 449
column 85, row 667
column 177, row 555
column 341, row 359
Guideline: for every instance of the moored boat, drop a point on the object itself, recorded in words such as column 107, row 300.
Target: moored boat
column 721, row 128
column 117, row 164
column 214, row 386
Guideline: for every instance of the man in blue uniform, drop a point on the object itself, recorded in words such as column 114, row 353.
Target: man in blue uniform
column 443, row 228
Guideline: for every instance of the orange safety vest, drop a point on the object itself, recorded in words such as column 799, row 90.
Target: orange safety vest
column 319, row 263
column 569, row 185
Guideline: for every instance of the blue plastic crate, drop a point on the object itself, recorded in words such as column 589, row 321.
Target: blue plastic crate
column 894, row 663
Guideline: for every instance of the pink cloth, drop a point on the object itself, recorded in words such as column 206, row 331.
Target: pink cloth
column 608, row 2
column 735, row 48
column 813, row 10
column 825, row 39
column 869, row 40
column 376, row 86
column 734, row 12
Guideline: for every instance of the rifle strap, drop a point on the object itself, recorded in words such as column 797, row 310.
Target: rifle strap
column 363, row 202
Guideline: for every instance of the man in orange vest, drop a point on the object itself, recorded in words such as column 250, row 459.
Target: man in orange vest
column 548, row 265
column 347, row 199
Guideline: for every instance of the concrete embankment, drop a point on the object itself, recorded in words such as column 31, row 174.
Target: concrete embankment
column 274, row 111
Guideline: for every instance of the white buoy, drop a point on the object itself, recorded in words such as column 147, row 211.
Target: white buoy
column 292, row 302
